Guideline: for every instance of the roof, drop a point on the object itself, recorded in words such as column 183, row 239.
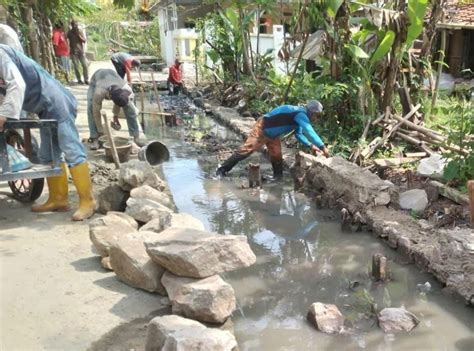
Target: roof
column 459, row 13
column 313, row 47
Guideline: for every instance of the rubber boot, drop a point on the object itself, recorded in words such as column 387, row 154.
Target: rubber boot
column 229, row 164
column 58, row 199
column 277, row 166
column 82, row 181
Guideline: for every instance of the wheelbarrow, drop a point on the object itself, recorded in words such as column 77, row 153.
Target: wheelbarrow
column 27, row 185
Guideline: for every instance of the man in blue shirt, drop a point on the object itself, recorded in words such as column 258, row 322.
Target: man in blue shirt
column 268, row 129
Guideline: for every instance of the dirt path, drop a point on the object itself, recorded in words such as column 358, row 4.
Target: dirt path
column 54, row 293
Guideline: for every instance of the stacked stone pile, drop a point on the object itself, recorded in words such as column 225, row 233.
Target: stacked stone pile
column 150, row 247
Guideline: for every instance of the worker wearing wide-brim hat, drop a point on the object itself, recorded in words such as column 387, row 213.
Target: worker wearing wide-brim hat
column 268, row 129
column 30, row 88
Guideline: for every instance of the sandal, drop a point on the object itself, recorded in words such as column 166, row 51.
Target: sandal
column 115, row 125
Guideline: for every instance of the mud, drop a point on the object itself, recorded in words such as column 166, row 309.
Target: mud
column 103, row 173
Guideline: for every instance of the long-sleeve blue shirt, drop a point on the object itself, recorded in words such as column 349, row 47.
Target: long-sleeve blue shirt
column 287, row 118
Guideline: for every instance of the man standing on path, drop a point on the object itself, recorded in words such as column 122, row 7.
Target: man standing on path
column 124, row 63
column 77, row 40
column 268, row 129
column 61, row 48
column 175, row 78
column 106, row 84
column 31, row 88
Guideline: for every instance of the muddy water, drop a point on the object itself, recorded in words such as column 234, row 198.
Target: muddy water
column 304, row 257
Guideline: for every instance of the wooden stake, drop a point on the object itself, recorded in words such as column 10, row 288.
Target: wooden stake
column 379, row 267
column 255, row 179
column 157, row 96
column 111, row 140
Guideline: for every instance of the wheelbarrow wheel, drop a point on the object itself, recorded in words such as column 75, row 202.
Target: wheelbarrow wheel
column 27, row 190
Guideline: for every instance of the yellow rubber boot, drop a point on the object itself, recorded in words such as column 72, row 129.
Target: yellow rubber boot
column 58, row 199
column 82, row 181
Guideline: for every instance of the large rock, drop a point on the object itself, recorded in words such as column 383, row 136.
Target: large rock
column 396, row 320
column 206, row 300
column 326, row 318
column 105, row 231
column 199, row 254
column 136, row 173
column 353, row 187
column 175, row 333
column 112, row 198
column 134, row 267
column 176, row 220
column 147, row 192
column 144, row 210
column 415, row 199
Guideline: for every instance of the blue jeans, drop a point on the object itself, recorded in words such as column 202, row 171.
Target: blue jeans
column 95, row 127
column 69, row 144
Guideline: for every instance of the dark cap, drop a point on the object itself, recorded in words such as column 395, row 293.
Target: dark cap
column 136, row 63
column 119, row 96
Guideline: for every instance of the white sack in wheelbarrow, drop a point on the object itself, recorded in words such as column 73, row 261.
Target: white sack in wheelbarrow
column 17, row 160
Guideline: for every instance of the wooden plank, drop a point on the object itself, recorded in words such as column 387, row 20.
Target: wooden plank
column 390, row 162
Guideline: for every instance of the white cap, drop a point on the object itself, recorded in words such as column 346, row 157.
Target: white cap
column 314, row 106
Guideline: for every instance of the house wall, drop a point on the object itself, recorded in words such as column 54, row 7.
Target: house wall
column 270, row 42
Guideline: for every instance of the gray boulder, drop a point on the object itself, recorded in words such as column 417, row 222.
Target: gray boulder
column 414, row 199
column 144, row 210
column 209, row 300
column 105, row 231
column 199, row 254
column 326, row 318
column 112, row 198
column 147, row 192
column 175, row 333
column 397, row 320
column 134, row 267
column 176, row 220
column 136, row 173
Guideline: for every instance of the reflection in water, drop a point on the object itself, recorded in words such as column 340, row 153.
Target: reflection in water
column 303, row 257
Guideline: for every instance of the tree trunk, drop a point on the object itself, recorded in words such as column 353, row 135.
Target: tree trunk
column 246, row 60
column 392, row 72
column 32, row 47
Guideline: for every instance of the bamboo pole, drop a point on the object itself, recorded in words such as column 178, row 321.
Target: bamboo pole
column 431, row 133
column 391, row 130
column 421, row 144
column 113, row 149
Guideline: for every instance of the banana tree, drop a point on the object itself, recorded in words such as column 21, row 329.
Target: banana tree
column 397, row 29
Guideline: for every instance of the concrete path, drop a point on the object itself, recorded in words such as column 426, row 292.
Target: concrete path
column 54, row 293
